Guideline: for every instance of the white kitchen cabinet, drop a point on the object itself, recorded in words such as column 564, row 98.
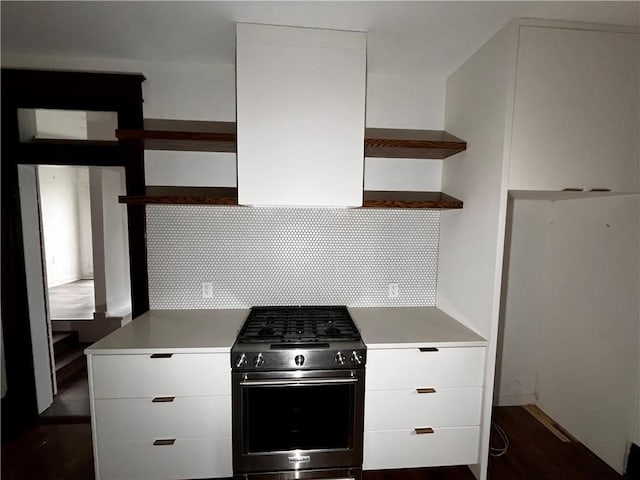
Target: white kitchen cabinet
column 576, row 116
column 407, row 409
column 134, row 376
column 139, row 419
column 161, row 415
column 300, row 100
column 423, row 406
column 536, row 143
column 436, row 367
column 406, row 449
column 186, row 458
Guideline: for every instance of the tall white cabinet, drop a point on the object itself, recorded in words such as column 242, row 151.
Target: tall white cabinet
column 575, row 117
column 544, row 106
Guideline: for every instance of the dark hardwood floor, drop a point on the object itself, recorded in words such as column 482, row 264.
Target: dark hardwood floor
column 535, row 453
column 57, row 452
column 71, row 404
column 49, row 452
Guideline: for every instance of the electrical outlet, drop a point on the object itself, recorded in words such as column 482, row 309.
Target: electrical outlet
column 207, row 290
column 394, row 291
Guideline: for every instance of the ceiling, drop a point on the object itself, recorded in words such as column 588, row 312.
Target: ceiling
column 416, row 37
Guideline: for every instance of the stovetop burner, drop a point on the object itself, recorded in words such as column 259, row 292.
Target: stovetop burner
column 298, row 338
column 298, row 324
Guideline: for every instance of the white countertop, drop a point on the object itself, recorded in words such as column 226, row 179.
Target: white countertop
column 412, row 327
column 175, row 331
column 214, row 331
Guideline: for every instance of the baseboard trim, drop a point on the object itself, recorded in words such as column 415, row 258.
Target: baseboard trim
column 550, row 424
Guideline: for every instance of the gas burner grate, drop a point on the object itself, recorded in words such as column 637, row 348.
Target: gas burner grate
column 298, row 324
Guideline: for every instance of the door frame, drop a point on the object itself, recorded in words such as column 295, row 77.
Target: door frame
column 121, row 93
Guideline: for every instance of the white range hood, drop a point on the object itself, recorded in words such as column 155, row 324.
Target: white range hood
column 300, row 96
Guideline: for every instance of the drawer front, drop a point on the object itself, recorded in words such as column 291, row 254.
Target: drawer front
column 135, row 376
column 202, row 458
column 397, row 369
column 129, row 419
column 406, row 449
column 406, row 409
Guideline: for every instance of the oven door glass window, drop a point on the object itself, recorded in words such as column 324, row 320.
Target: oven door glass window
column 298, row 417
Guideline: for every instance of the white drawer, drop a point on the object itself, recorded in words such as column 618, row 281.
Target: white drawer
column 410, row 368
column 406, row 449
column 128, row 419
column 406, row 409
column 134, row 376
column 202, row 458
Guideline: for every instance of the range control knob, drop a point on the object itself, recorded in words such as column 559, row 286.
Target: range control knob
column 356, row 358
column 299, row 360
column 258, row 360
column 241, row 360
column 340, row 358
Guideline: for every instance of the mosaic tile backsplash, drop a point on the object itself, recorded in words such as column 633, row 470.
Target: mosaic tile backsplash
column 290, row 256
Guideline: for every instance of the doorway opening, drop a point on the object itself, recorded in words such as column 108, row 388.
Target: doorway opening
column 65, row 206
column 83, row 272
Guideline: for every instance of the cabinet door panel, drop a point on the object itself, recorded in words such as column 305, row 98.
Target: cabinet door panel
column 398, row 409
column 129, row 419
column 201, row 458
column 406, row 449
column 576, row 116
column 135, row 376
column 397, row 369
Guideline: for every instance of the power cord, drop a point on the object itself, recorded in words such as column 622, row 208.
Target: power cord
column 499, row 451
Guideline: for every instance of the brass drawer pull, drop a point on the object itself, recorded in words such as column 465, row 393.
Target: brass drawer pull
column 163, row 399
column 161, row 355
column 428, row 349
column 426, row 390
column 165, row 441
column 422, row 431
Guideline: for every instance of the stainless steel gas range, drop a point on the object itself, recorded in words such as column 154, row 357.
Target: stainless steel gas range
column 298, row 394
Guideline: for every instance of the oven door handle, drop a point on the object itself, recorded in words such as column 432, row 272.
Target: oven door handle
column 296, row 381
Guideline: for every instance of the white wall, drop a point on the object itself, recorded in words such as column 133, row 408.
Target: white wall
column 70, row 124
column 116, row 243
column 102, row 125
column 405, row 101
column 83, row 202
column 58, row 199
column 110, row 246
column 472, row 239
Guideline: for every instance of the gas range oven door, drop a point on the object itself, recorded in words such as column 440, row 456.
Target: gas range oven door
column 297, row 420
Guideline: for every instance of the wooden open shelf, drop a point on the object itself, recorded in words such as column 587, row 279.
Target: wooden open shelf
column 400, row 143
column 229, row 196
column 184, row 135
column 397, row 199
column 184, row 196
